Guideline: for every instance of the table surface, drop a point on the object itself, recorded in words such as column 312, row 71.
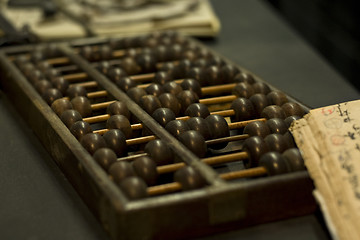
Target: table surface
column 37, row 201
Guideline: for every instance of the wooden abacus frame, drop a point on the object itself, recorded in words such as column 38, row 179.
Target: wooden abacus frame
column 217, row 207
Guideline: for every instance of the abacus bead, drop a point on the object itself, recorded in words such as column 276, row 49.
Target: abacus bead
column 244, row 109
column 184, row 65
column 259, row 102
column 243, row 90
column 244, row 77
column 276, row 142
column 125, row 83
column 104, row 67
column 197, row 110
column 120, row 170
column 120, row 122
column 80, row 128
column 294, row 160
column 51, row 73
column 86, row 52
column 134, row 188
column 51, row 94
column 42, row 85
column 172, row 87
column 293, row 109
column 105, row 157
column 69, row 117
column 168, row 67
column 118, row 108
column 82, row 105
column 273, row 111
column 105, row 52
column 212, row 75
column 43, row 66
column 274, row 163
column 160, row 52
column 276, row 98
column 289, row 139
column 147, row 63
column 92, row 142
column 149, row 103
column 201, row 125
column 174, row 51
column 163, row 116
column 162, row 77
column 290, row 119
column 61, row 84
column 35, row 76
column 170, row 101
column 159, row 151
column 193, row 85
column 145, row 168
column 116, row 73
column 197, row 74
column 194, row 141
column 218, row 129
column 189, row 178
column 228, row 72
column 257, row 128
column 116, row 140
column 186, row 98
column 76, row 91
column 260, row 87
column 136, row 94
column 277, row 125
column 177, row 127
column 60, row 105
column 255, row 146
column 154, row 89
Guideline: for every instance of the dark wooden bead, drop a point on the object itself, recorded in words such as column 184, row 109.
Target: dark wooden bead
column 189, row 178
column 82, row 105
column 116, row 140
column 212, row 75
column 289, row 139
column 76, row 91
column 273, row 111
column 154, row 89
column 104, row 52
column 244, row 109
column 189, row 55
column 255, row 146
column 177, row 127
column 87, row 52
column 162, row 77
column 293, row 109
column 120, row 122
column 160, row 53
column 80, row 128
column 105, row 157
column 116, row 73
column 104, row 67
column 228, row 73
column 43, row 66
column 92, row 142
column 51, row 94
column 259, row 102
column 27, row 68
column 172, row 87
column 195, row 142
column 146, row 62
column 21, row 60
column 257, row 128
column 170, row 101
column 134, row 188
column 61, row 84
column 51, row 73
column 260, row 87
column 37, row 56
column 218, row 129
column 290, row 119
column 186, row 98
column 130, row 66
column 163, row 116
column 243, row 90
column 276, row 142
column 193, row 85
column 216, row 61
column 294, row 160
column 277, row 125
column 168, row 67
column 201, row 125
column 174, row 51
column 244, row 77
column 197, row 110
column 184, row 65
column 276, row 98
column 136, row 94
column 160, row 152
column 197, row 74
column 35, row 75
column 60, row 105
column 69, row 117
column 42, row 85
column 118, row 108
column 274, row 163
column 125, row 83
column 149, row 103
column 145, row 168
column 120, row 170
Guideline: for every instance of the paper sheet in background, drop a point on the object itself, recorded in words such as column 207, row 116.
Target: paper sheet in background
column 329, row 139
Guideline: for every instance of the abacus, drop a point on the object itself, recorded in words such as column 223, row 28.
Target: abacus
column 160, row 136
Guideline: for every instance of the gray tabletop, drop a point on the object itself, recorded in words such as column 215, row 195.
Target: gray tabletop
column 37, row 202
